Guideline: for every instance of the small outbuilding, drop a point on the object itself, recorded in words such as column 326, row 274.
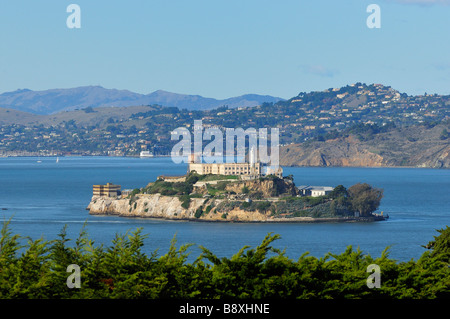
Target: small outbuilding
column 315, row 191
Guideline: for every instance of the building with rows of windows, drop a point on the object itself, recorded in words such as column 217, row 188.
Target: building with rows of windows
column 252, row 169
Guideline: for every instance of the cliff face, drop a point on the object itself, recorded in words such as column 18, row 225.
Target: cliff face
column 268, row 199
column 232, row 194
column 409, row 147
column 166, row 207
column 144, row 206
column 264, row 188
column 330, row 153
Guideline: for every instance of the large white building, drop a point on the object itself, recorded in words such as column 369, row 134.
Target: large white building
column 250, row 169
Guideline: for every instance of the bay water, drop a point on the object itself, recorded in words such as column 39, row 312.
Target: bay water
column 42, row 195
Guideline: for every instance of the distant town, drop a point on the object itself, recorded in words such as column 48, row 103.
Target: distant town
column 308, row 116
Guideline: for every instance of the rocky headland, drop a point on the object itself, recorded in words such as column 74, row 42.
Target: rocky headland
column 416, row 146
column 228, row 200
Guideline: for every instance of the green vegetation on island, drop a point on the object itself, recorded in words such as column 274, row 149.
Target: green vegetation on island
column 273, row 197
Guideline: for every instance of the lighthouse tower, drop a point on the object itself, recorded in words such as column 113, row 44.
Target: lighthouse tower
column 252, row 160
column 252, row 156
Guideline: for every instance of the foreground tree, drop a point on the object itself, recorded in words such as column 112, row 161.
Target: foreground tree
column 441, row 245
column 38, row 269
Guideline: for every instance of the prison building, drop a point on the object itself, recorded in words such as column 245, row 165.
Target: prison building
column 109, row 190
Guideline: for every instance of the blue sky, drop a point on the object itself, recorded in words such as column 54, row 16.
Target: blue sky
column 225, row 48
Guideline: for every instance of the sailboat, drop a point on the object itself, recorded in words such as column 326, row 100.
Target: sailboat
column 57, row 160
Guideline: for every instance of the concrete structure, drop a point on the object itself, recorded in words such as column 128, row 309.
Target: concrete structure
column 315, row 191
column 109, row 190
column 126, row 192
column 172, row 179
column 252, row 169
column 226, row 168
column 272, row 170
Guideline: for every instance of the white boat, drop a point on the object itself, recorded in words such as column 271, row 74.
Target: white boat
column 57, row 160
column 146, row 154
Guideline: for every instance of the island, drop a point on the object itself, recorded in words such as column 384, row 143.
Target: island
column 238, row 192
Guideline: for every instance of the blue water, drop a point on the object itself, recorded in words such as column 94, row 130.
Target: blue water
column 40, row 198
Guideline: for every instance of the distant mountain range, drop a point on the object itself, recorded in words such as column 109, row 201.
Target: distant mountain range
column 57, row 100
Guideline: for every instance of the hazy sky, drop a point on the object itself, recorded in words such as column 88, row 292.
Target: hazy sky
column 224, row 48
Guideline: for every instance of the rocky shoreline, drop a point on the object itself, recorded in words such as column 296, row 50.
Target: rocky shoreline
column 161, row 207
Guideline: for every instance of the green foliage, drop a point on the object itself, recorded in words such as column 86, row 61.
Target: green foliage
column 135, row 192
column 192, row 178
column 441, row 245
column 245, row 205
column 216, row 189
column 339, row 191
column 199, row 212
column 221, row 185
column 364, row 198
column 215, row 177
column 123, row 270
column 185, row 201
column 185, row 188
column 212, row 191
column 262, row 206
column 169, row 189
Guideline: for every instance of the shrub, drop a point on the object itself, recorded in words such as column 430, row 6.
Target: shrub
column 135, row 192
column 124, row 271
column 185, row 201
column 199, row 212
column 263, row 206
column 245, row 205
